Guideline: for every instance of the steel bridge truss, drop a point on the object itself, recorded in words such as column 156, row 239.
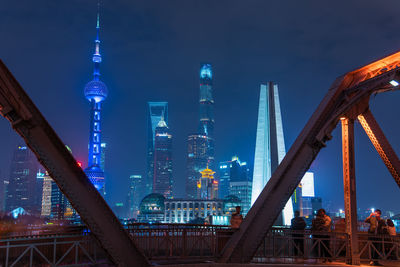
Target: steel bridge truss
column 346, row 100
column 30, row 124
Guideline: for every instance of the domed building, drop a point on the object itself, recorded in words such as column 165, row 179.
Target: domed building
column 152, row 208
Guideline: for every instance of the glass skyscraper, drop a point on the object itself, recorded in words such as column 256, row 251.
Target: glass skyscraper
column 162, row 183
column 270, row 145
column 235, row 179
column 197, row 160
column 201, row 145
column 156, row 111
column 135, row 195
column 206, row 124
column 22, row 188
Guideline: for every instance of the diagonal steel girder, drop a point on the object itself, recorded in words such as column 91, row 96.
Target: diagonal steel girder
column 30, row 124
column 381, row 144
column 348, row 97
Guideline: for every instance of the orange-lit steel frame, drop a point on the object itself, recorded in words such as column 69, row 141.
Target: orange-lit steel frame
column 381, row 144
column 348, row 97
column 349, row 183
column 29, row 123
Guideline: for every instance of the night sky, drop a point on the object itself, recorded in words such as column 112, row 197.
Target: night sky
column 152, row 51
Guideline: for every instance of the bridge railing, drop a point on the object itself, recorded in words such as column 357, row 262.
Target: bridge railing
column 192, row 242
column 285, row 243
column 70, row 250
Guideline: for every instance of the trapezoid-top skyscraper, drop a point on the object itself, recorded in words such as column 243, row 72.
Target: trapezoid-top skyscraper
column 96, row 92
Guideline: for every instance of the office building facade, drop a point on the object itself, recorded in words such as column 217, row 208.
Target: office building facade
column 156, row 111
column 207, row 186
column 22, row 187
column 162, row 181
column 197, row 160
column 201, row 145
column 135, row 194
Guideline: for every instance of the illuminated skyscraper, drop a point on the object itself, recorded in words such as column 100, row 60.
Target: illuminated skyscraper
column 46, row 196
column 22, row 188
column 197, row 160
column 206, row 125
column 162, row 183
column 135, row 195
column 156, row 110
column 207, row 186
column 235, row 179
column 201, row 145
column 96, row 92
column 270, row 144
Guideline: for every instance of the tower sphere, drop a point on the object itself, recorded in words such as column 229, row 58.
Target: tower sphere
column 96, row 90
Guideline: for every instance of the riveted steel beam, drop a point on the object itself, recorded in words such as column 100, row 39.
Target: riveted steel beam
column 349, row 183
column 30, row 124
column 349, row 94
column 381, row 144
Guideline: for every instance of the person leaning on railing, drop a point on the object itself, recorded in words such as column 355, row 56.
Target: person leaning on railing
column 391, row 230
column 376, row 227
column 322, row 223
column 298, row 224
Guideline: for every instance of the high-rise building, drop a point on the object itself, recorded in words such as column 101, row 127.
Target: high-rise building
column 3, row 192
column 201, row 145
column 135, row 195
column 302, row 195
column 233, row 170
column 46, row 196
column 237, row 175
column 96, row 92
column 156, row 110
column 162, row 182
column 270, row 145
column 206, row 125
column 22, row 186
column 197, row 160
column 207, row 186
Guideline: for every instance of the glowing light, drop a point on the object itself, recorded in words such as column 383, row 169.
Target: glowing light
column 206, row 71
column 394, row 83
column 79, row 163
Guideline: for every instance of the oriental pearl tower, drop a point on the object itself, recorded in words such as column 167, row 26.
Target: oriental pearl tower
column 96, row 92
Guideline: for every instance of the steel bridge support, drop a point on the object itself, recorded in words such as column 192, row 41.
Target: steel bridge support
column 349, row 93
column 349, row 182
column 381, row 144
column 29, row 123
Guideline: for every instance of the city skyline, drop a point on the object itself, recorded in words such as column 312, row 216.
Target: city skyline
column 299, row 74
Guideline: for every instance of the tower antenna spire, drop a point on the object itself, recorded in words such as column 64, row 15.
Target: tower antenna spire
column 96, row 92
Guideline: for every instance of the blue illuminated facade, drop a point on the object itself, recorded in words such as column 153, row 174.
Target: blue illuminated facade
column 206, row 125
column 156, row 111
column 96, row 92
column 201, row 145
column 270, row 145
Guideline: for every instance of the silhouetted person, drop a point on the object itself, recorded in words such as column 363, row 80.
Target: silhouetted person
column 236, row 218
column 376, row 227
column 322, row 223
column 298, row 224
